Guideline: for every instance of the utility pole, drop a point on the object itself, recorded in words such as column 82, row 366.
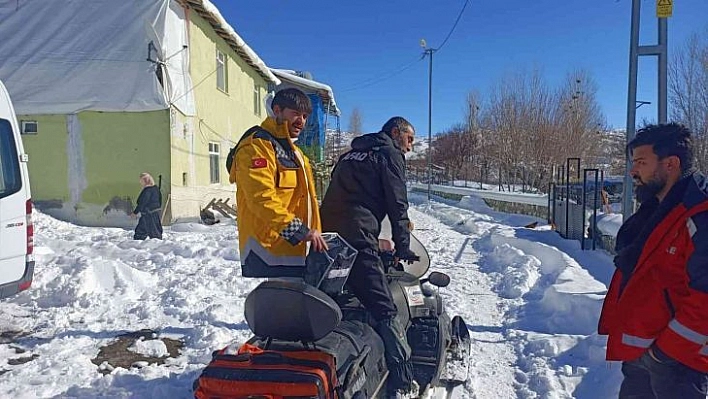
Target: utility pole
column 635, row 51
column 429, row 52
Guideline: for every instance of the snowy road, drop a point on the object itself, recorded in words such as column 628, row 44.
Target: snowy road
column 531, row 301
column 530, row 306
column 471, row 296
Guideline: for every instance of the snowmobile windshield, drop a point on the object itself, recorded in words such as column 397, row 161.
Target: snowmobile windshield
column 418, row 268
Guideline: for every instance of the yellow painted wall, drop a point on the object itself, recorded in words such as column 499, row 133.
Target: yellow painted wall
column 48, row 170
column 221, row 117
column 117, row 147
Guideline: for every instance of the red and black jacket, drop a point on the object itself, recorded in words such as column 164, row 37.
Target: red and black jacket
column 662, row 299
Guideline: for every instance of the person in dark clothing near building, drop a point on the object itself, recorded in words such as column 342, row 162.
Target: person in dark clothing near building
column 655, row 312
column 148, row 206
column 369, row 183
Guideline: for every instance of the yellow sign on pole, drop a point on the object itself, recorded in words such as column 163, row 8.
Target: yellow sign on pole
column 664, row 8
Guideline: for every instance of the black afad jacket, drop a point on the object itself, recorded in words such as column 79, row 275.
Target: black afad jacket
column 368, row 183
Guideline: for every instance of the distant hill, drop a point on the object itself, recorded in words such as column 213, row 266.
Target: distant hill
column 336, row 143
column 612, row 159
column 339, row 142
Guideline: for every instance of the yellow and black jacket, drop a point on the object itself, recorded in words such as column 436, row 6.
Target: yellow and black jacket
column 276, row 202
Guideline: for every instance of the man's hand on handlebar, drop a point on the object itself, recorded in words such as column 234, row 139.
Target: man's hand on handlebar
column 407, row 256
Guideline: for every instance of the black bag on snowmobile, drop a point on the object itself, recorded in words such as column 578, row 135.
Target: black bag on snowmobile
column 357, row 351
column 329, row 270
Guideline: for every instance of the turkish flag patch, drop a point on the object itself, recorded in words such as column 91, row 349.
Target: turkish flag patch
column 257, row 163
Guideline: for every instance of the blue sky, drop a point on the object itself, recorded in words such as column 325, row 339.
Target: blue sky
column 348, row 45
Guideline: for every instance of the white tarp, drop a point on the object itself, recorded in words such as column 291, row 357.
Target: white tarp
column 65, row 56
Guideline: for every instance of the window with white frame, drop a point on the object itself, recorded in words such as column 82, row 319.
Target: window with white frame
column 29, row 127
column 222, row 74
column 257, row 105
column 213, row 162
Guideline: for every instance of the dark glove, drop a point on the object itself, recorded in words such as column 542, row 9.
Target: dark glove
column 407, row 255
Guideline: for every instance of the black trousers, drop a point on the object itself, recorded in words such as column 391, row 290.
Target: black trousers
column 661, row 378
column 149, row 225
column 367, row 281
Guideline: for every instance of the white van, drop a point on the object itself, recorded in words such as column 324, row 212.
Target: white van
column 16, row 229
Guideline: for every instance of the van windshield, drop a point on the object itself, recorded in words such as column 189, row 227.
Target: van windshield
column 10, row 180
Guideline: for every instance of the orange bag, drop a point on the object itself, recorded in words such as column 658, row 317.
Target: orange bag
column 265, row 374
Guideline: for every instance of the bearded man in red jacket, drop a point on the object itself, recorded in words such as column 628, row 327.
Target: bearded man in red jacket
column 656, row 309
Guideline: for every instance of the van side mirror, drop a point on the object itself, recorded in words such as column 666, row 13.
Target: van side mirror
column 438, row 279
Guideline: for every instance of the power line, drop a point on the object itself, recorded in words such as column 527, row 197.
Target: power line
column 194, row 86
column 381, row 78
column 453, row 26
column 399, row 70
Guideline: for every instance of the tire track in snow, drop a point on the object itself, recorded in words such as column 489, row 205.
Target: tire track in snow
column 470, row 295
column 550, row 303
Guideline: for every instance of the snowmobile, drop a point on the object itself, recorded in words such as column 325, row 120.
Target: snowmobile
column 314, row 340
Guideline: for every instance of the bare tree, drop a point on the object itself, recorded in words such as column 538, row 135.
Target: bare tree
column 614, row 145
column 520, row 129
column 578, row 115
column 453, row 150
column 524, row 129
column 475, row 163
column 355, row 122
column 504, row 116
column 688, row 93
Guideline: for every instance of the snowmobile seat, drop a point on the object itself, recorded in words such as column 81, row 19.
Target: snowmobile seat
column 291, row 311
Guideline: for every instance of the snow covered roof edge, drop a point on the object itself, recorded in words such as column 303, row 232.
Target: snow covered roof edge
column 323, row 90
column 209, row 12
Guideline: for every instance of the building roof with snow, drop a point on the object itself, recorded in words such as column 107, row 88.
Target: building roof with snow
column 324, row 91
column 209, row 12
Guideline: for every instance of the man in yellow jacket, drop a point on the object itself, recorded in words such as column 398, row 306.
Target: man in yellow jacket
column 278, row 215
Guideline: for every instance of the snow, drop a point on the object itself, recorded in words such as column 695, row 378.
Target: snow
column 519, row 197
column 152, row 347
column 609, row 223
column 531, row 301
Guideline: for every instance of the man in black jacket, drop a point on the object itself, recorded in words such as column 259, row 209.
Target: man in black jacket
column 369, row 183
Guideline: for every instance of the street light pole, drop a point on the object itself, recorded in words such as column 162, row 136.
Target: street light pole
column 640, row 103
column 429, row 52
